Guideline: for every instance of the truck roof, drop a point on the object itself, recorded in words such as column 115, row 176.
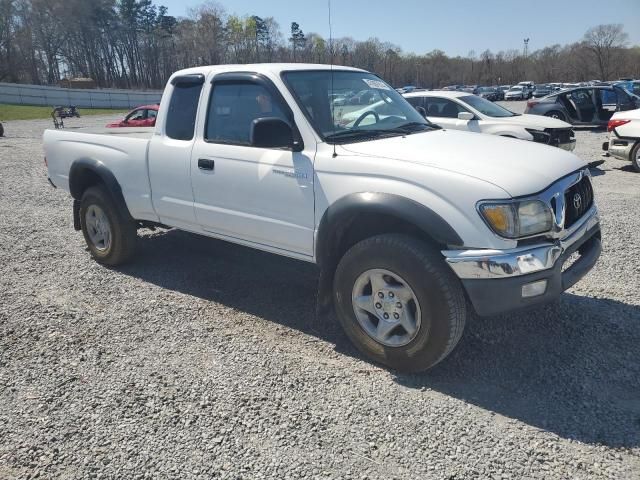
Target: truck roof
column 273, row 68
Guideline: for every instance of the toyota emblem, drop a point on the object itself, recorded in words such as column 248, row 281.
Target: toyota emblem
column 577, row 201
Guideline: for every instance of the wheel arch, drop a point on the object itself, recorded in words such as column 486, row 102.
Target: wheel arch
column 356, row 210
column 89, row 172
column 357, row 216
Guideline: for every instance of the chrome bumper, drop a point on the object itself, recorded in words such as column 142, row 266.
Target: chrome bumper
column 494, row 264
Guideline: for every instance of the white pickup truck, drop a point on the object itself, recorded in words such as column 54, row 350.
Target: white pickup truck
column 411, row 225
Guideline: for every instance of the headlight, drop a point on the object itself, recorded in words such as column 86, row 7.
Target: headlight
column 517, row 219
column 539, row 136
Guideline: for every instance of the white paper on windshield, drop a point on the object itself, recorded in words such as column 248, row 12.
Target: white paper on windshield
column 376, row 84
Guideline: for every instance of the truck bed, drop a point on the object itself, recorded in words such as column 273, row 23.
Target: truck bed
column 122, row 150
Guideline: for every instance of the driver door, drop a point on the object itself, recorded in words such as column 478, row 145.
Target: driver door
column 258, row 196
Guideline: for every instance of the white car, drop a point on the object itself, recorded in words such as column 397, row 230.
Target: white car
column 408, row 223
column 471, row 113
column 517, row 92
column 624, row 137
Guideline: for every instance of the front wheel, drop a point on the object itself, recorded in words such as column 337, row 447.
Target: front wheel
column 109, row 233
column 398, row 302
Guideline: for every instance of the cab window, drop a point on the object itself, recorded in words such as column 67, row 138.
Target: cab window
column 234, row 106
column 181, row 114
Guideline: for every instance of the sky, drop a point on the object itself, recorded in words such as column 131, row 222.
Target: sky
column 454, row 26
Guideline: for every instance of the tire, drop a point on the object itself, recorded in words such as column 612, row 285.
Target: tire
column 1, row 130
column 98, row 212
column 556, row 114
column 438, row 305
column 635, row 157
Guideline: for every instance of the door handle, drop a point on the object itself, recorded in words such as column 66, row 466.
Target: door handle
column 205, row 164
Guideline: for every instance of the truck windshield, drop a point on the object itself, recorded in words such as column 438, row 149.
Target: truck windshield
column 352, row 106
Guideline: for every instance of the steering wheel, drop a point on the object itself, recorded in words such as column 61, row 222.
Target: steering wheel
column 364, row 115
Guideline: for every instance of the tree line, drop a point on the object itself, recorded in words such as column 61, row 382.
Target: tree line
column 137, row 44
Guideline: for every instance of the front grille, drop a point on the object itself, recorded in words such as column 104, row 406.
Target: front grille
column 559, row 135
column 578, row 200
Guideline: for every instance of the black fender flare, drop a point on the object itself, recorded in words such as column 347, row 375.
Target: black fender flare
column 77, row 185
column 341, row 214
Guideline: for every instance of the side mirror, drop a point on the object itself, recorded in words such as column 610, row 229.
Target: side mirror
column 272, row 132
column 465, row 116
column 421, row 111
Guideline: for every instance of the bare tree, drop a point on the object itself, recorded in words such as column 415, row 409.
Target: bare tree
column 135, row 43
column 602, row 41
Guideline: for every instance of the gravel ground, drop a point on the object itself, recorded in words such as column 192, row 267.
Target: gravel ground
column 205, row 360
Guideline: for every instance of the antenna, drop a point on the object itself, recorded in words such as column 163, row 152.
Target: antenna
column 333, row 107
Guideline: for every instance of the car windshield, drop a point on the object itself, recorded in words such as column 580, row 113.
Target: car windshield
column 515, row 89
column 485, row 89
column 486, row 107
column 375, row 109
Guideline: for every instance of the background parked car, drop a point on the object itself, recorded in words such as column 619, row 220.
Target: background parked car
column 517, row 92
column 487, row 92
column 631, row 86
column 528, row 88
column 624, row 137
column 144, row 116
column 502, row 89
column 592, row 106
column 471, row 113
column 541, row 90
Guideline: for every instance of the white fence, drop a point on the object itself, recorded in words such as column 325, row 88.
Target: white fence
column 19, row 94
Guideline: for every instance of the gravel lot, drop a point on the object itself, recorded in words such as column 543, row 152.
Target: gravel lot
column 205, row 360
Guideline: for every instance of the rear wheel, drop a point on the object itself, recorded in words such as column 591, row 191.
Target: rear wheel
column 556, row 114
column 109, row 233
column 398, row 302
column 635, row 157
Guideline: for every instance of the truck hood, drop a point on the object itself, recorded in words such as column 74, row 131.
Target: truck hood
column 532, row 121
column 516, row 166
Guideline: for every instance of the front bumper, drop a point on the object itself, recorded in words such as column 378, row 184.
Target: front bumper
column 494, row 279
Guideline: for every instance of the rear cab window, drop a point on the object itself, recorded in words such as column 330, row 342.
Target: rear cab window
column 183, row 107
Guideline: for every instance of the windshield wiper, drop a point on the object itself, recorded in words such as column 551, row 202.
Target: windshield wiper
column 362, row 133
column 409, row 127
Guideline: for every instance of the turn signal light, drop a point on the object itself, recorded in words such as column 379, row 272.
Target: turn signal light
column 616, row 123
